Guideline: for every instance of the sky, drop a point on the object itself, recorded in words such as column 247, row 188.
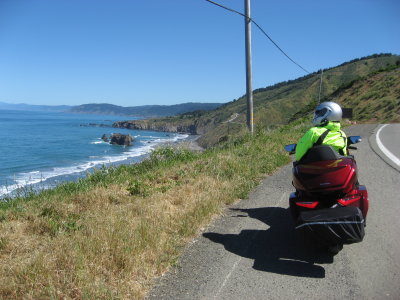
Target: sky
column 147, row 52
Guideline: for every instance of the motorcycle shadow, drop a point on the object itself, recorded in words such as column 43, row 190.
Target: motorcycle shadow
column 276, row 249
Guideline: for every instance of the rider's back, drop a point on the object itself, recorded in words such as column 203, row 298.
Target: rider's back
column 334, row 137
column 327, row 117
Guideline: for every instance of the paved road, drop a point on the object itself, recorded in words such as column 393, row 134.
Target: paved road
column 252, row 253
column 387, row 144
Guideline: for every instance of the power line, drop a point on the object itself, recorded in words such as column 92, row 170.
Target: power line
column 227, row 8
column 262, row 30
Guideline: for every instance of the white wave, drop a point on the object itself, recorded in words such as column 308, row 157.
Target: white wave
column 148, row 136
column 34, row 177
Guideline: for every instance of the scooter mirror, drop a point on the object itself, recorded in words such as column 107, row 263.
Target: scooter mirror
column 290, row 148
column 354, row 139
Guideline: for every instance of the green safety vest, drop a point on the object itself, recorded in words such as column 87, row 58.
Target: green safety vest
column 335, row 138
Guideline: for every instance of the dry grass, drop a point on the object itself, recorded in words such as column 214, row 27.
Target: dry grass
column 112, row 255
column 110, row 239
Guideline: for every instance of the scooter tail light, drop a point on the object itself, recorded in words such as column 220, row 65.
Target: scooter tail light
column 348, row 200
column 308, row 204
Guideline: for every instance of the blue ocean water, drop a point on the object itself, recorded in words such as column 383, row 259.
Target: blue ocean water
column 45, row 148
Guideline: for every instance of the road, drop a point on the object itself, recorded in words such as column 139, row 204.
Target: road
column 387, row 144
column 251, row 252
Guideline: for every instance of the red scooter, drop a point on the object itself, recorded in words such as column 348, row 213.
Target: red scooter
column 329, row 206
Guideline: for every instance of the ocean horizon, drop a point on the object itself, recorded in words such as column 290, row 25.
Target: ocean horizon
column 40, row 150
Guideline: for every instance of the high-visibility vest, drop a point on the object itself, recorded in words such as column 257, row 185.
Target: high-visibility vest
column 335, row 138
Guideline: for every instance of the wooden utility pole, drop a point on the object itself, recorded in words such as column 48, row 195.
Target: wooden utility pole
column 249, row 86
column 320, row 87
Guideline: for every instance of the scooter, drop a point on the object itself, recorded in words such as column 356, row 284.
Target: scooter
column 329, row 206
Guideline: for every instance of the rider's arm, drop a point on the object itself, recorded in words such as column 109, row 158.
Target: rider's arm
column 305, row 143
column 345, row 151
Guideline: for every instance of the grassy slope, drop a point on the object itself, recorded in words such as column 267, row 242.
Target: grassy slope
column 110, row 234
column 277, row 104
column 375, row 98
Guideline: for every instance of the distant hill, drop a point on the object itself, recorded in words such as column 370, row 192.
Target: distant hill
column 29, row 107
column 143, row 111
column 370, row 85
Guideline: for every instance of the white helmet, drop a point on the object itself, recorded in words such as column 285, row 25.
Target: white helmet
column 327, row 111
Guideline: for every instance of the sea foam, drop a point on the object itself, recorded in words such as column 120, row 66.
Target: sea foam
column 42, row 178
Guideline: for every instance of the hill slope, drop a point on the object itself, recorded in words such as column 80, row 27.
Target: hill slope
column 375, row 98
column 277, row 104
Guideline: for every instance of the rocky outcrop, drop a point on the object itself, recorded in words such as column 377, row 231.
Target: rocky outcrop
column 121, row 139
column 118, row 139
column 157, row 126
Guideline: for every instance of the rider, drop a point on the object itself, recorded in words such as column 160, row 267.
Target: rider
column 326, row 119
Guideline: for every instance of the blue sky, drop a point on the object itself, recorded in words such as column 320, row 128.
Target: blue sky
column 131, row 52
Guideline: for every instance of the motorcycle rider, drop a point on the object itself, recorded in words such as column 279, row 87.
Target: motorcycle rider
column 327, row 117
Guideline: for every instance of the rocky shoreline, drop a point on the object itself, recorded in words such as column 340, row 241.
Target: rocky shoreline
column 190, row 143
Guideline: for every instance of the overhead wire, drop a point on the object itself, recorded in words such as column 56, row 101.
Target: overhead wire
column 227, row 8
column 262, row 30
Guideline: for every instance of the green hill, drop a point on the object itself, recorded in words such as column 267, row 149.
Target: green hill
column 375, row 98
column 367, row 84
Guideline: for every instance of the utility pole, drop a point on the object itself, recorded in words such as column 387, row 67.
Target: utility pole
column 249, row 86
column 320, row 87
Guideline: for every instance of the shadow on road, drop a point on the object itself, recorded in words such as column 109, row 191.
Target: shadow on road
column 275, row 249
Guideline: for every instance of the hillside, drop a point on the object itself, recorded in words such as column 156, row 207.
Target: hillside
column 353, row 84
column 375, row 98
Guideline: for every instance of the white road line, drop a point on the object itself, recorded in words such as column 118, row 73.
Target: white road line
column 385, row 151
column 216, row 296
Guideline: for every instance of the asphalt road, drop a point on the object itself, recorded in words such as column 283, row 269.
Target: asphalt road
column 387, row 142
column 251, row 252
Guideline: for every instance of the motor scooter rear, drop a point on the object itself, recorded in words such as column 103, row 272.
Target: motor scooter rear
column 329, row 205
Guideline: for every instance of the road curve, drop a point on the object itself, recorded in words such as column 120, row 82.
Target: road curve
column 251, row 251
column 386, row 143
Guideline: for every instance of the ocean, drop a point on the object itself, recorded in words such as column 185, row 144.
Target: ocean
column 41, row 149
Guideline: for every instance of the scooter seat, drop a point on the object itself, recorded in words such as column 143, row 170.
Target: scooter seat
column 320, row 153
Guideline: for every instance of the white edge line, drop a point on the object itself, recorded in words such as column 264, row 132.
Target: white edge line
column 385, row 151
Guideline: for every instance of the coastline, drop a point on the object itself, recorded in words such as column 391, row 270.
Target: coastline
column 189, row 143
